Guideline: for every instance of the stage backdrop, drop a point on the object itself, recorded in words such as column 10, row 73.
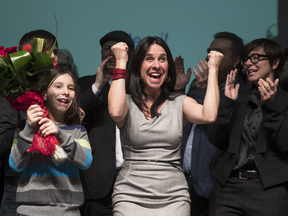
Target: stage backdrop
column 186, row 25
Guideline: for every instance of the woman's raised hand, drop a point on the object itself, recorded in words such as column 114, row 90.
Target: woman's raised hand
column 214, row 59
column 120, row 51
column 267, row 89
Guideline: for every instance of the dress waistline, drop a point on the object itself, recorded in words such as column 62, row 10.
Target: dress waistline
column 155, row 161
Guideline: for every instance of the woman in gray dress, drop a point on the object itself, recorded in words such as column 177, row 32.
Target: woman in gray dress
column 151, row 119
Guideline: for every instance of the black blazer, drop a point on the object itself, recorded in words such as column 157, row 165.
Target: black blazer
column 272, row 142
column 99, row 179
column 204, row 154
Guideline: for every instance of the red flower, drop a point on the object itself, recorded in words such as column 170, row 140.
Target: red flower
column 27, row 47
column 54, row 63
column 46, row 145
column 11, row 49
column 2, row 52
column 23, row 102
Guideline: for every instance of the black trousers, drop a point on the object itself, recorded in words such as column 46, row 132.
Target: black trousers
column 98, row 207
column 199, row 204
column 249, row 198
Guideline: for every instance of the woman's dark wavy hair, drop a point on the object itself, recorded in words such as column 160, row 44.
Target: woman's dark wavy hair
column 272, row 49
column 71, row 116
column 134, row 83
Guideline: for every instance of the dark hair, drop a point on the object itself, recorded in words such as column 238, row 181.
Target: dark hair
column 40, row 33
column 135, row 85
column 237, row 44
column 65, row 57
column 71, row 116
column 118, row 36
column 272, row 49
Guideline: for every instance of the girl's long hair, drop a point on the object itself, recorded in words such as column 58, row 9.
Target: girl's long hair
column 71, row 116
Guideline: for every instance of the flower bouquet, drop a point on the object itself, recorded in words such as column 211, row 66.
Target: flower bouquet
column 26, row 69
column 22, row 73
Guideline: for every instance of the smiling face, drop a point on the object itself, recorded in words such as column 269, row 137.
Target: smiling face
column 261, row 69
column 60, row 96
column 154, row 67
column 106, row 52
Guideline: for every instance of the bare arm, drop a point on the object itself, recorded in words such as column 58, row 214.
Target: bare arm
column 117, row 94
column 206, row 113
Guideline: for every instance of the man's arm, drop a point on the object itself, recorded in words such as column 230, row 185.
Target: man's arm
column 91, row 95
column 275, row 117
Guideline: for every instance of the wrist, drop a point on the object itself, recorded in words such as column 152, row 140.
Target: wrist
column 213, row 68
column 119, row 73
column 98, row 85
column 121, row 64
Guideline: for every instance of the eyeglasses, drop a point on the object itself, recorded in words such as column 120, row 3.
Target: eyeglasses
column 254, row 58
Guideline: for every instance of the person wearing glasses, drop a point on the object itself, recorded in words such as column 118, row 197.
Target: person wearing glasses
column 252, row 128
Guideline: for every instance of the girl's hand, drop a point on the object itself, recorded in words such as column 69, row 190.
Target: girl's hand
column 120, row 51
column 214, row 59
column 231, row 90
column 34, row 114
column 48, row 127
column 267, row 89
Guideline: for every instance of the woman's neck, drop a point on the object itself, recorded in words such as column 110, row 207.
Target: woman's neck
column 152, row 94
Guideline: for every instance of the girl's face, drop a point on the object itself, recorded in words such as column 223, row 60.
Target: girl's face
column 154, row 67
column 60, row 95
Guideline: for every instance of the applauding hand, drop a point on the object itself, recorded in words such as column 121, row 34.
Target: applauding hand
column 182, row 78
column 102, row 77
column 267, row 89
column 231, row 90
column 201, row 80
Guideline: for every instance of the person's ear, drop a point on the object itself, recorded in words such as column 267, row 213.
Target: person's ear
column 275, row 64
column 236, row 61
column 45, row 96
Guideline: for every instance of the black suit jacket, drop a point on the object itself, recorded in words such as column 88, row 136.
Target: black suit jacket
column 99, row 179
column 272, row 142
column 204, row 154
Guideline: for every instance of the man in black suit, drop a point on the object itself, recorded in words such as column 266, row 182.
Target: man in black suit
column 251, row 127
column 98, row 180
column 198, row 155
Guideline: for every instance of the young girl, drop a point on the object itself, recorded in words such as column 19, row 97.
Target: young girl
column 44, row 188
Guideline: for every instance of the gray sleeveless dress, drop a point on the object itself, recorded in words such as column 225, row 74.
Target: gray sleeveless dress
column 151, row 181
